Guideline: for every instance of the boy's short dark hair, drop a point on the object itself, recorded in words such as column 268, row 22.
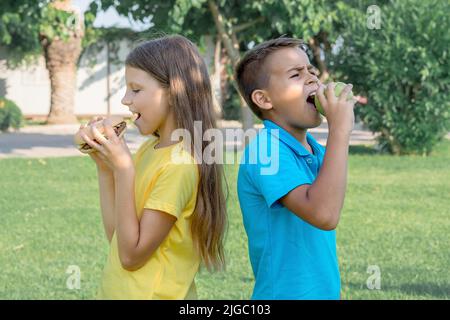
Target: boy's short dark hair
column 250, row 73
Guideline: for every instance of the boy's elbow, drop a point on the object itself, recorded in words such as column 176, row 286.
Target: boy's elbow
column 328, row 226
column 328, row 220
column 323, row 219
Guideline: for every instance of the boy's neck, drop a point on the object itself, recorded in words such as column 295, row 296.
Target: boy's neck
column 298, row 133
column 300, row 136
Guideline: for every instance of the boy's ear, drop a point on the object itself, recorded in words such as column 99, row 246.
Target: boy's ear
column 261, row 99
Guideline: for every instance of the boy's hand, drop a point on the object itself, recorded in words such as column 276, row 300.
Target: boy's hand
column 338, row 110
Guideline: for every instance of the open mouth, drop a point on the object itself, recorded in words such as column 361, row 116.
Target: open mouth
column 310, row 99
column 137, row 115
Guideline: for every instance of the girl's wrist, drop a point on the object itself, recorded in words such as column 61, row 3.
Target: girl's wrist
column 104, row 171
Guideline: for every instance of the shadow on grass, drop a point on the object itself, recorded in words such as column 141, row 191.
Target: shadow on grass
column 432, row 289
column 440, row 149
column 362, row 150
column 30, row 122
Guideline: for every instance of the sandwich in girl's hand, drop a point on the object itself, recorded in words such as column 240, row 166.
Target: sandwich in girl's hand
column 118, row 123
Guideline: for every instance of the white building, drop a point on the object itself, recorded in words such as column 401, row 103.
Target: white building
column 29, row 86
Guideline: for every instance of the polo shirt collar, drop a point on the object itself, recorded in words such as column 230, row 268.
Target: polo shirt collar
column 290, row 140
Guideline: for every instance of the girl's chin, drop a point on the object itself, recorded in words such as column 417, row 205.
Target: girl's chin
column 140, row 129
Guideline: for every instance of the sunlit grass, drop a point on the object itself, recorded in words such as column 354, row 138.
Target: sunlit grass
column 395, row 217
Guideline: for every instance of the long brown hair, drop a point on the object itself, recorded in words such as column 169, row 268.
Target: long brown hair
column 175, row 62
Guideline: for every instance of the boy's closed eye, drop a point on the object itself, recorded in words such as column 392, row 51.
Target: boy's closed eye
column 311, row 69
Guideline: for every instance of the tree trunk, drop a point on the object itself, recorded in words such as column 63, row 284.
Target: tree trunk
column 224, row 77
column 108, row 81
column 218, row 70
column 212, row 56
column 61, row 61
column 316, row 50
column 395, row 147
column 233, row 53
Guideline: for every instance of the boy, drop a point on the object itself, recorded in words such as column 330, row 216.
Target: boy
column 290, row 214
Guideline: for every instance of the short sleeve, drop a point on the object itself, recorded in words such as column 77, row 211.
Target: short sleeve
column 288, row 173
column 175, row 186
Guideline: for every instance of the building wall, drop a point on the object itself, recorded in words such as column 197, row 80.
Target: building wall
column 29, row 86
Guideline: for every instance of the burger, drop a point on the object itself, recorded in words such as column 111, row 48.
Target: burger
column 118, row 123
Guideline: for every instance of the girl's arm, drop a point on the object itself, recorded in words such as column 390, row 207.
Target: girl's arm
column 107, row 200
column 137, row 240
column 106, row 186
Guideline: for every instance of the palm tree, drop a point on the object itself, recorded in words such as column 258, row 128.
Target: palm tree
column 61, row 56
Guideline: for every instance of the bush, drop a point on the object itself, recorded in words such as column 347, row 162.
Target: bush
column 403, row 68
column 232, row 107
column 10, row 115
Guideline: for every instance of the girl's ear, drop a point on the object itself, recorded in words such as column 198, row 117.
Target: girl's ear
column 261, row 99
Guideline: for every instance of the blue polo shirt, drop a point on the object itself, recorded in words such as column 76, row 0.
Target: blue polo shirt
column 290, row 258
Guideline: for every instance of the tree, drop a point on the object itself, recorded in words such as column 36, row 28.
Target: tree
column 238, row 23
column 397, row 55
column 31, row 28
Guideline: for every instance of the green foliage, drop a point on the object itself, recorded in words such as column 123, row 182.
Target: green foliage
column 25, row 24
column 19, row 30
column 403, row 68
column 231, row 105
column 250, row 21
column 10, row 115
column 300, row 18
column 56, row 23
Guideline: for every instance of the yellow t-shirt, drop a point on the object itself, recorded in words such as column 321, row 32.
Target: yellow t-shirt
column 161, row 183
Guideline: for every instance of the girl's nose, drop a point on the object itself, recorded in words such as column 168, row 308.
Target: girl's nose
column 126, row 101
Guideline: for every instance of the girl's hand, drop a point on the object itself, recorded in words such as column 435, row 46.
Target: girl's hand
column 98, row 159
column 112, row 152
column 103, row 164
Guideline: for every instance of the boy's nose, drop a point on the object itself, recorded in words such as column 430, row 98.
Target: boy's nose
column 312, row 79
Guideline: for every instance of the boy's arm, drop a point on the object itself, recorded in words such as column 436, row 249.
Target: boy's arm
column 107, row 200
column 320, row 204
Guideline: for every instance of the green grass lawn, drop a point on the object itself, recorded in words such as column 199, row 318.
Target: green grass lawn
column 396, row 216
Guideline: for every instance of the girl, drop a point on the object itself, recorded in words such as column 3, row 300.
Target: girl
column 162, row 218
